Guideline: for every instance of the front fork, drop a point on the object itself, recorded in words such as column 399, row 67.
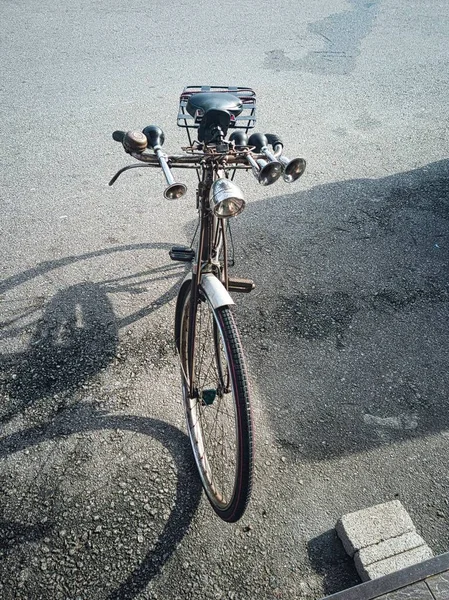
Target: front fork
column 211, row 241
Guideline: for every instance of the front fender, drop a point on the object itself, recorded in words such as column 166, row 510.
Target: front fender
column 215, row 291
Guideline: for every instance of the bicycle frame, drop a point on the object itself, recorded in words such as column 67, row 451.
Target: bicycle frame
column 212, row 162
column 211, row 257
column 211, row 243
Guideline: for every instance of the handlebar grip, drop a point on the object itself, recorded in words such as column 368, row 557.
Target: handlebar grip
column 118, row 136
column 274, row 139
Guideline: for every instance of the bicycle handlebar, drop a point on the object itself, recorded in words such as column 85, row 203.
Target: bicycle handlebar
column 136, row 143
column 135, row 138
column 235, row 158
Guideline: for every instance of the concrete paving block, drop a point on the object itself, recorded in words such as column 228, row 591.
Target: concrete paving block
column 388, row 548
column 373, row 525
column 394, row 563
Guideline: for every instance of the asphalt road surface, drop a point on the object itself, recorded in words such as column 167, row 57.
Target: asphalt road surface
column 345, row 335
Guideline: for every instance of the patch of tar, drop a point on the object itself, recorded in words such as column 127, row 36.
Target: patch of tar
column 340, row 35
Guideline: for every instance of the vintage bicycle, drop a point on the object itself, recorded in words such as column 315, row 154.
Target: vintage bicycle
column 214, row 378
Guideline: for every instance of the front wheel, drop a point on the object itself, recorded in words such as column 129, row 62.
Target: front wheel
column 218, row 411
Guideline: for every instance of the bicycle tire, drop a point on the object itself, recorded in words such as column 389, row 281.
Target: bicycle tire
column 217, row 334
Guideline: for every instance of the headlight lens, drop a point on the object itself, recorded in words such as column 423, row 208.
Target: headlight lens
column 226, row 199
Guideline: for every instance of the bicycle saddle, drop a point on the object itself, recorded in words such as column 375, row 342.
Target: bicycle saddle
column 214, row 101
column 214, row 112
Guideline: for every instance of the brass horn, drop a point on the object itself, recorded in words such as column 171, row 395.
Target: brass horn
column 293, row 169
column 265, row 172
column 268, row 171
column 156, row 138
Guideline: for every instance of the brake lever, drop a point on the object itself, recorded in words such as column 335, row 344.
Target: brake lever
column 117, row 175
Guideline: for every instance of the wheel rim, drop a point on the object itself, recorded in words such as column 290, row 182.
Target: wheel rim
column 211, row 415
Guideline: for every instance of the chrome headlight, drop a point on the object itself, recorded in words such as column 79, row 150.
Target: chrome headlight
column 226, row 199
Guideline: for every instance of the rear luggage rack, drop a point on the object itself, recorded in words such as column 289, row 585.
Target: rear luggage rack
column 247, row 118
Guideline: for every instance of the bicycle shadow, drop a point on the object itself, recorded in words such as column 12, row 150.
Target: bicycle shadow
column 77, row 335
column 349, row 320
column 13, row 533
column 75, row 338
column 84, row 419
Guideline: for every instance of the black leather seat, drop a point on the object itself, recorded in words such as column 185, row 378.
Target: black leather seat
column 214, row 101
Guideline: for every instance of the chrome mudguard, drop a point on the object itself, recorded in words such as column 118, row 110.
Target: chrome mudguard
column 216, row 292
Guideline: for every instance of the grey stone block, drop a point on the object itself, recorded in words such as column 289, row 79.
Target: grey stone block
column 417, row 591
column 391, row 547
column 439, row 586
column 394, row 563
column 373, row 525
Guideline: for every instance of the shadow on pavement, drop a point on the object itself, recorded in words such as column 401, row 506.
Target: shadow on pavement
column 347, row 329
column 75, row 338
column 13, row 533
column 328, row 558
column 84, row 419
column 50, row 265
column 77, row 335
